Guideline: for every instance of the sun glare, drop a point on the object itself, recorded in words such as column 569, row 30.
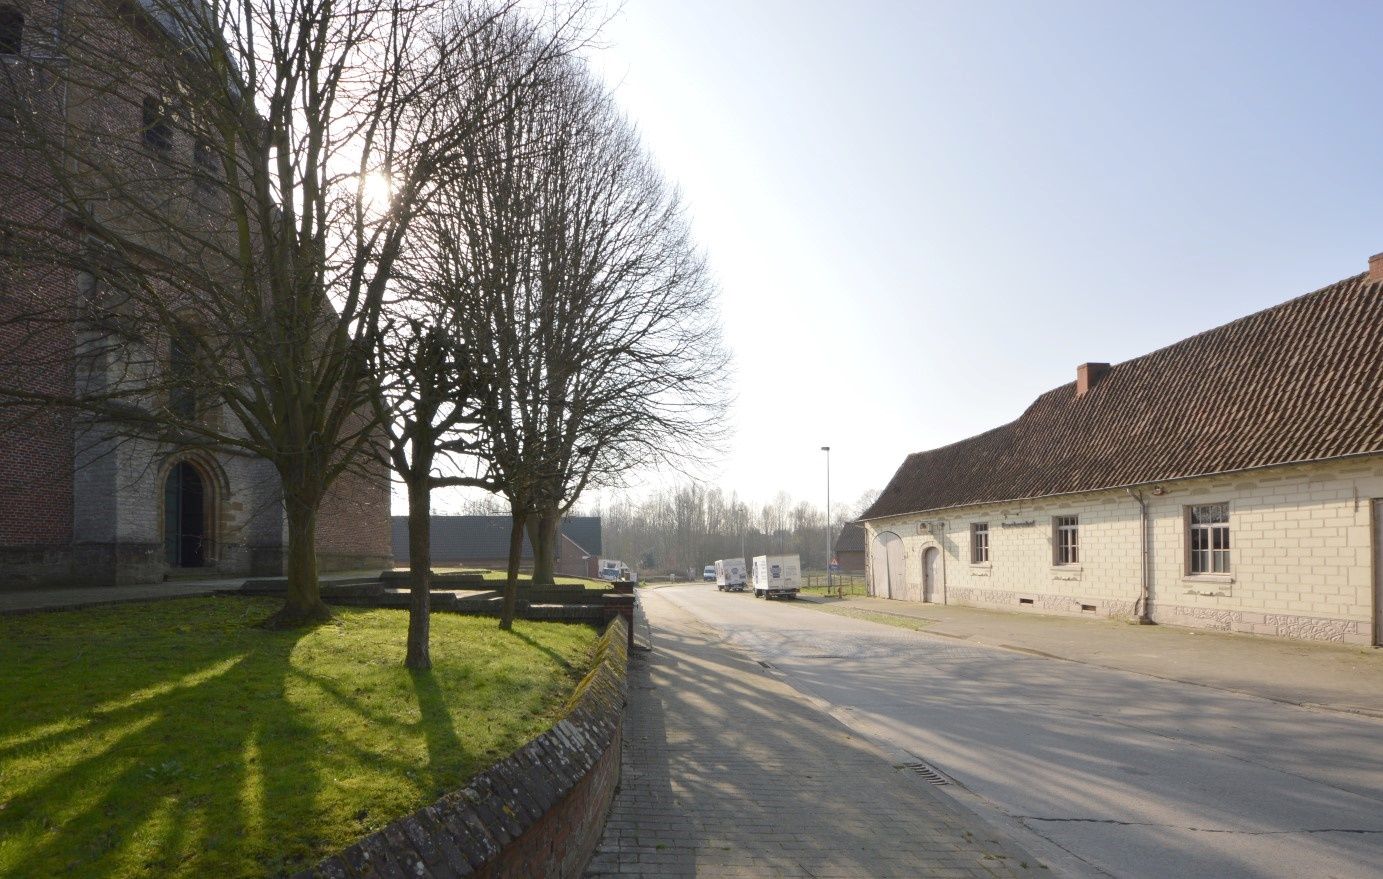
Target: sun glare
column 376, row 189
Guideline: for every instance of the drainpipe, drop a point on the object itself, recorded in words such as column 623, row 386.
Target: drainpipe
column 1141, row 605
column 941, row 548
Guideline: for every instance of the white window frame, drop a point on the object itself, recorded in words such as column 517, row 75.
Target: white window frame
column 979, row 543
column 1065, row 540
column 1208, row 552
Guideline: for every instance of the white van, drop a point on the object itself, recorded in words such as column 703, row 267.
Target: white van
column 730, row 575
column 776, row 576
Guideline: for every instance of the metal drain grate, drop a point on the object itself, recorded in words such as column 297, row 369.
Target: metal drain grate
column 927, row 772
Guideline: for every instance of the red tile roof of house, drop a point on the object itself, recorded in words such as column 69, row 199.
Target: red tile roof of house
column 850, row 539
column 1302, row 381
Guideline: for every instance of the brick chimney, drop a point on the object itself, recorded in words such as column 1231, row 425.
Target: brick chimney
column 1088, row 375
column 1375, row 269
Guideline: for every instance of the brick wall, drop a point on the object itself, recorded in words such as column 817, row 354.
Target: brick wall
column 35, row 445
column 538, row 812
column 353, row 527
column 1301, row 542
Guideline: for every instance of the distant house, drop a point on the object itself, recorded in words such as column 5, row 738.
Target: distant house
column 483, row 542
column 1231, row 481
column 849, row 548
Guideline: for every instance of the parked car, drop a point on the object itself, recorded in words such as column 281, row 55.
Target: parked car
column 708, row 573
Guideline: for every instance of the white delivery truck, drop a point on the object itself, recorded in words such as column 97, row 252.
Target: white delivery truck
column 776, row 576
column 612, row 569
column 730, row 575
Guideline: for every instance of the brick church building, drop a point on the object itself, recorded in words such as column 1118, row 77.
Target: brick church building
column 79, row 502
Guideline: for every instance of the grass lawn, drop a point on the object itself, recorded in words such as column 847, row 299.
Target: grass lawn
column 814, row 583
column 175, row 739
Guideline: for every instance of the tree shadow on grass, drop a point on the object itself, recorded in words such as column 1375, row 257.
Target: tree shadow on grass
column 190, row 754
column 144, row 741
column 439, row 731
column 558, row 659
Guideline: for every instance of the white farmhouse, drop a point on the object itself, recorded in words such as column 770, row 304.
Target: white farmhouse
column 1231, row 481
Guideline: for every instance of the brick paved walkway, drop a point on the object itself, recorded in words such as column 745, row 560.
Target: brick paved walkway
column 730, row 772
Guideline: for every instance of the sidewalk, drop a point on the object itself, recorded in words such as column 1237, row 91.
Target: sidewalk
column 729, row 772
column 1313, row 674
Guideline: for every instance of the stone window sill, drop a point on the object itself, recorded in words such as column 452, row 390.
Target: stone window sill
column 1208, row 578
column 1214, row 585
column 982, row 565
column 1066, row 569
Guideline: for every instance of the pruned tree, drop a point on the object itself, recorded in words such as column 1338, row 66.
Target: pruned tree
column 243, row 181
column 429, row 393
column 423, row 405
column 587, row 310
column 635, row 369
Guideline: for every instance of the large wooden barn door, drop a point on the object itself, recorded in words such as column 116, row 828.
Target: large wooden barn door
column 886, row 566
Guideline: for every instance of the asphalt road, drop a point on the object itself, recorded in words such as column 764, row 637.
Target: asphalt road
column 1103, row 772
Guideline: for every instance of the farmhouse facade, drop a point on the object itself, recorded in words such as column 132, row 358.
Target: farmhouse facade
column 81, row 503
column 1230, row 481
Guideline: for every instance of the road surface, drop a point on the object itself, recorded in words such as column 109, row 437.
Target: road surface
column 1102, row 772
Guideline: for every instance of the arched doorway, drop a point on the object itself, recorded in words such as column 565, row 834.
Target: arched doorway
column 186, row 516
column 886, row 566
column 931, row 574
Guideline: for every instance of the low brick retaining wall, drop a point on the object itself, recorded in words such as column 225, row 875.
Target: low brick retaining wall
column 537, row 813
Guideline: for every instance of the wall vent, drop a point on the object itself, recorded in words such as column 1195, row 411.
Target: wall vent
column 1025, row 601
column 1087, row 608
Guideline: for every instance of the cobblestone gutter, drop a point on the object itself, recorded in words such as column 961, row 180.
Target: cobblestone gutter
column 538, row 812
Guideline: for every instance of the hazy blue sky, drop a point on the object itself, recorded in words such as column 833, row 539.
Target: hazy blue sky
column 924, row 214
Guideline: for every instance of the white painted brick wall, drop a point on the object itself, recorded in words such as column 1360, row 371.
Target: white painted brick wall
column 1301, row 542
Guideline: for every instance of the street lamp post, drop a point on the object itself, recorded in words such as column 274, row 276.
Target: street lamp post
column 830, row 576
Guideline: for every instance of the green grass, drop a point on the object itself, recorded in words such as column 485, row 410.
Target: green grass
column 175, row 739
column 843, row 590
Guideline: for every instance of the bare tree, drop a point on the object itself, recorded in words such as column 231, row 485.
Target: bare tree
column 423, row 407
column 626, row 325
column 674, row 529
column 239, row 183
column 428, row 401
column 585, row 307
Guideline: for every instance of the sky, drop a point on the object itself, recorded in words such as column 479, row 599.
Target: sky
column 922, row 215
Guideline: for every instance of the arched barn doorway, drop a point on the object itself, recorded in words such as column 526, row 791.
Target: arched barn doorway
column 186, row 516
column 886, row 566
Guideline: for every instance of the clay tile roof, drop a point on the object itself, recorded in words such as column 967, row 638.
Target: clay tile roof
column 851, row 539
column 1302, row 381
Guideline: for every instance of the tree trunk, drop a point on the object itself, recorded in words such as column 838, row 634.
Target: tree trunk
column 303, row 603
column 542, row 534
column 511, row 584
column 419, row 573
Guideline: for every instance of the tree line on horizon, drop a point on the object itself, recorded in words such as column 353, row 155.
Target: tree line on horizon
column 680, row 530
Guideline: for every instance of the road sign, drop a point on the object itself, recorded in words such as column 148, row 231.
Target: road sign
column 834, row 566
